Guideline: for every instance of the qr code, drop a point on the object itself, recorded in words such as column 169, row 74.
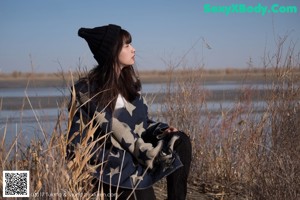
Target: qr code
column 15, row 183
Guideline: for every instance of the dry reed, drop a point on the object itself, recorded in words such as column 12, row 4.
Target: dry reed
column 238, row 152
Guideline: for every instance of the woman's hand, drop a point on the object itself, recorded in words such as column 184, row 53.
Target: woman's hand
column 171, row 129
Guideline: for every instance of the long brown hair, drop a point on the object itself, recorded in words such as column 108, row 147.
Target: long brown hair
column 104, row 82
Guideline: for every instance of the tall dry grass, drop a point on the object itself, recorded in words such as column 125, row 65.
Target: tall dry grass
column 52, row 176
column 239, row 152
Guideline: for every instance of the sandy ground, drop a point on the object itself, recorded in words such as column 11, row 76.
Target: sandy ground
column 193, row 193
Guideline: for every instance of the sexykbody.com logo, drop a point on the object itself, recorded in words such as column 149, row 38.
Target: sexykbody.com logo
column 258, row 9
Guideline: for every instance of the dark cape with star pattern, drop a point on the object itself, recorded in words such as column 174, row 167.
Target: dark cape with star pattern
column 133, row 150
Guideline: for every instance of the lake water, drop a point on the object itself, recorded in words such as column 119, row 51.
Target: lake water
column 147, row 88
column 34, row 123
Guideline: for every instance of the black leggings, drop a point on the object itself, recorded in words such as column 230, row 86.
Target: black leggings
column 176, row 182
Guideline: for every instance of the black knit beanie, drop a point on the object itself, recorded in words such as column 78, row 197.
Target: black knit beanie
column 101, row 40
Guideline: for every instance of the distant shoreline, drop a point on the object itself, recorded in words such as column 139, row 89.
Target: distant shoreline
column 23, row 80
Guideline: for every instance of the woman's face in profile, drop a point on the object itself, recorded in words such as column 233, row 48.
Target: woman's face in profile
column 127, row 55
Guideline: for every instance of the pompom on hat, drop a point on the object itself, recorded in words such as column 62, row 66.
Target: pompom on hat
column 101, row 40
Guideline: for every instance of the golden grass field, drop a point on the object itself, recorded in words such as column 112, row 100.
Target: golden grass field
column 238, row 154
column 21, row 79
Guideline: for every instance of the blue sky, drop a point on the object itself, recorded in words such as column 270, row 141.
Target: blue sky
column 45, row 32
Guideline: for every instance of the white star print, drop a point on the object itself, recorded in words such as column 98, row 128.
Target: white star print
column 129, row 107
column 115, row 155
column 139, row 128
column 113, row 171
column 135, row 178
column 100, row 117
